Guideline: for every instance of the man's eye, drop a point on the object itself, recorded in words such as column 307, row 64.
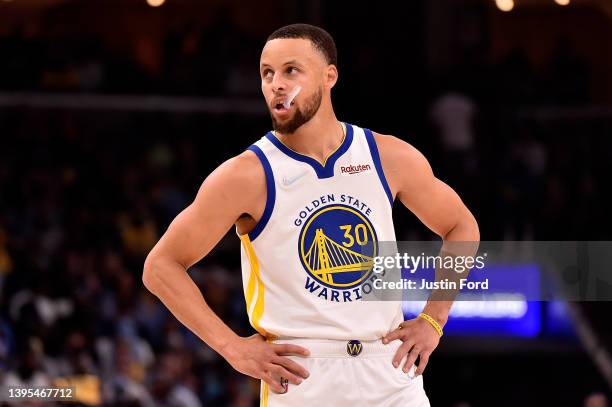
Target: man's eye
column 267, row 73
column 292, row 69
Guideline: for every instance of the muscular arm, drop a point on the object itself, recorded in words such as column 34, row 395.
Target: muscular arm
column 233, row 189
column 412, row 181
column 235, row 193
column 437, row 205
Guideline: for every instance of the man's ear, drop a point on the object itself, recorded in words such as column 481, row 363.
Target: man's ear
column 331, row 76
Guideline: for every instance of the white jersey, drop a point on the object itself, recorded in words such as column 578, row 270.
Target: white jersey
column 307, row 263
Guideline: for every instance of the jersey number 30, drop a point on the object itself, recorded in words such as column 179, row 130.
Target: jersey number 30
column 360, row 233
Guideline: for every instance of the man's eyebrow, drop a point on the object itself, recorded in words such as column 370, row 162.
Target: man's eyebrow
column 291, row 62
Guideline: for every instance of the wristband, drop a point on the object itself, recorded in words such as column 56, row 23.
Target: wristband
column 432, row 322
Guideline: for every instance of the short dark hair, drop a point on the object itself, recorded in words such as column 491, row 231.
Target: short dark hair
column 319, row 38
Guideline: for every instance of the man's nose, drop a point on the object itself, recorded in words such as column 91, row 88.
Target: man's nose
column 278, row 83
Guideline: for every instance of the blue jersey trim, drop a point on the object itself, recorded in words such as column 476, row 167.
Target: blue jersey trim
column 323, row 171
column 270, row 193
column 377, row 163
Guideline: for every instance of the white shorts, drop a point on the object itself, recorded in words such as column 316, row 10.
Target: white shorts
column 339, row 379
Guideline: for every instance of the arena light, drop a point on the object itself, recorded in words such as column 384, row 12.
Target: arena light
column 504, row 5
column 562, row 2
column 155, row 3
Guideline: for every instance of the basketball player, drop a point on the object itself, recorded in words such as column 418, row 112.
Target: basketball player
column 305, row 200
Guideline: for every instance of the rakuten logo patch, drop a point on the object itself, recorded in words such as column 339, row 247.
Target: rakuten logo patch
column 355, row 169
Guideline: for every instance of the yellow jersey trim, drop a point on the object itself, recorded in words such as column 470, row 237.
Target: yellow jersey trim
column 253, row 284
column 263, row 401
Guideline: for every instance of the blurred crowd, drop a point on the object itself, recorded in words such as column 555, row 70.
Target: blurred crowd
column 84, row 195
column 192, row 59
column 79, row 215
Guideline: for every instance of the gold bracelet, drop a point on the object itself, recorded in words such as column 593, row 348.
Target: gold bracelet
column 432, row 321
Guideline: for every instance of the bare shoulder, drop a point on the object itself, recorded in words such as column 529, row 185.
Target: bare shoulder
column 405, row 167
column 243, row 170
column 237, row 182
column 398, row 155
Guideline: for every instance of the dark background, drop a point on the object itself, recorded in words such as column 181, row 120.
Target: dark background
column 113, row 112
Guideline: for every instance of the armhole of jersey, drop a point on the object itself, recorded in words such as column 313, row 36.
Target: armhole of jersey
column 270, row 193
column 376, row 159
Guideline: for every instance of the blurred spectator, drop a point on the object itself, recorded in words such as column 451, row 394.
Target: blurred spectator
column 28, row 370
column 453, row 114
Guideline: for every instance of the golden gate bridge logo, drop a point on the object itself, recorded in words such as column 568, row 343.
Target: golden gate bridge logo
column 337, row 246
column 326, row 258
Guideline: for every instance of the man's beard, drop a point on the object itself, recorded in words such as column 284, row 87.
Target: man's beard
column 311, row 107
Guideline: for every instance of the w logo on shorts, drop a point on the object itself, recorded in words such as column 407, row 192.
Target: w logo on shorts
column 354, row 347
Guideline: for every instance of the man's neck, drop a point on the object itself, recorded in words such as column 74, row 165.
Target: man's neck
column 319, row 138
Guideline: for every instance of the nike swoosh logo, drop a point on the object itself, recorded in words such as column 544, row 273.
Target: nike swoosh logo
column 288, row 181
